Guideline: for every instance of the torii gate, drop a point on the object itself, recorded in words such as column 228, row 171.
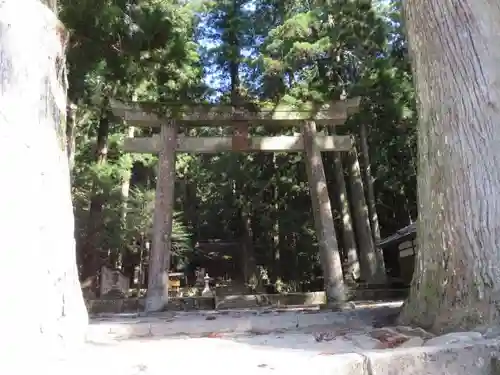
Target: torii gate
column 168, row 142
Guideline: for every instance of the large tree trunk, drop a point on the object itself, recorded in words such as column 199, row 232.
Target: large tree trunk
column 368, row 181
column 92, row 254
column 71, row 134
column 190, row 208
column 371, row 257
column 116, row 258
column 277, row 233
column 250, row 268
column 351, row 271
column 45, row 311
column 455, row 51
column 159, row 258
column 125, row 188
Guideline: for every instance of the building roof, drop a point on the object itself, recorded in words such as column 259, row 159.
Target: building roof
column 400, row 235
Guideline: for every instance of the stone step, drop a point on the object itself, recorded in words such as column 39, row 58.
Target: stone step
column 235, row 301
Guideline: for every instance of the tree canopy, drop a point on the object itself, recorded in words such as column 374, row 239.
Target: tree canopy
column 201, row 52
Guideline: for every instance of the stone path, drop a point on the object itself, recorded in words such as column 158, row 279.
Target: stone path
column 274, row 341
column 129, row 326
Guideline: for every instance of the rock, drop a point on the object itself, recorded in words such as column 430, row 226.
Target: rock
column 324, row 336
column 450, row 360
column 325, row 333
column 453, row 338
column 414, row 331
column 388, row 337
column 382, row 333
column 364, row 342
column 412, row 342
column 481, row 329
column 392, row 342
column 490, row 332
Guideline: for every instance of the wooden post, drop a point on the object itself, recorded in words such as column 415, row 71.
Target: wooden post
column 323, row 218
column 371, row 258
column 159, row 258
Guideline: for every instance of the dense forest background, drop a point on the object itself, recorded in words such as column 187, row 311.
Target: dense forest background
column 262, row 51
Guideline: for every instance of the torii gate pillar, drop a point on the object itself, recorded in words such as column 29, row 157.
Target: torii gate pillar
column 159, row 259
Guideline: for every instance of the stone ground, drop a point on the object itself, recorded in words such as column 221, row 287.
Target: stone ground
column 292, row 341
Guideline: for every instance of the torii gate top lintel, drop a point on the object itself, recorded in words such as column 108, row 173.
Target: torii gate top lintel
column 283, row 114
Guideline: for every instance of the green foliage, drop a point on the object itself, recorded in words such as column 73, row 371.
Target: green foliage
column 139, row 223
column 292, row 50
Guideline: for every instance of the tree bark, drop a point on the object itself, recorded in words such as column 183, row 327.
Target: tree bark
column 159, row 258
column 352, row 270
column 323, row 218
column 38, row 247
column 92, row 254
column 245, row 215
column 277, row 235
column 371, row 257
column 71, row 134
column 125, row 188
column 455, row 53
column 116, row 258
column 250, row 268
column 368, row 181
column 191, row 208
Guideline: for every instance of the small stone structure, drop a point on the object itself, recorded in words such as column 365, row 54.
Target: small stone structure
column 114, row 283
column 207, row 292
column 200, row 274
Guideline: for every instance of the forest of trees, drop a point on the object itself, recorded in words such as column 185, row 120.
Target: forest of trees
column 259, row 50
